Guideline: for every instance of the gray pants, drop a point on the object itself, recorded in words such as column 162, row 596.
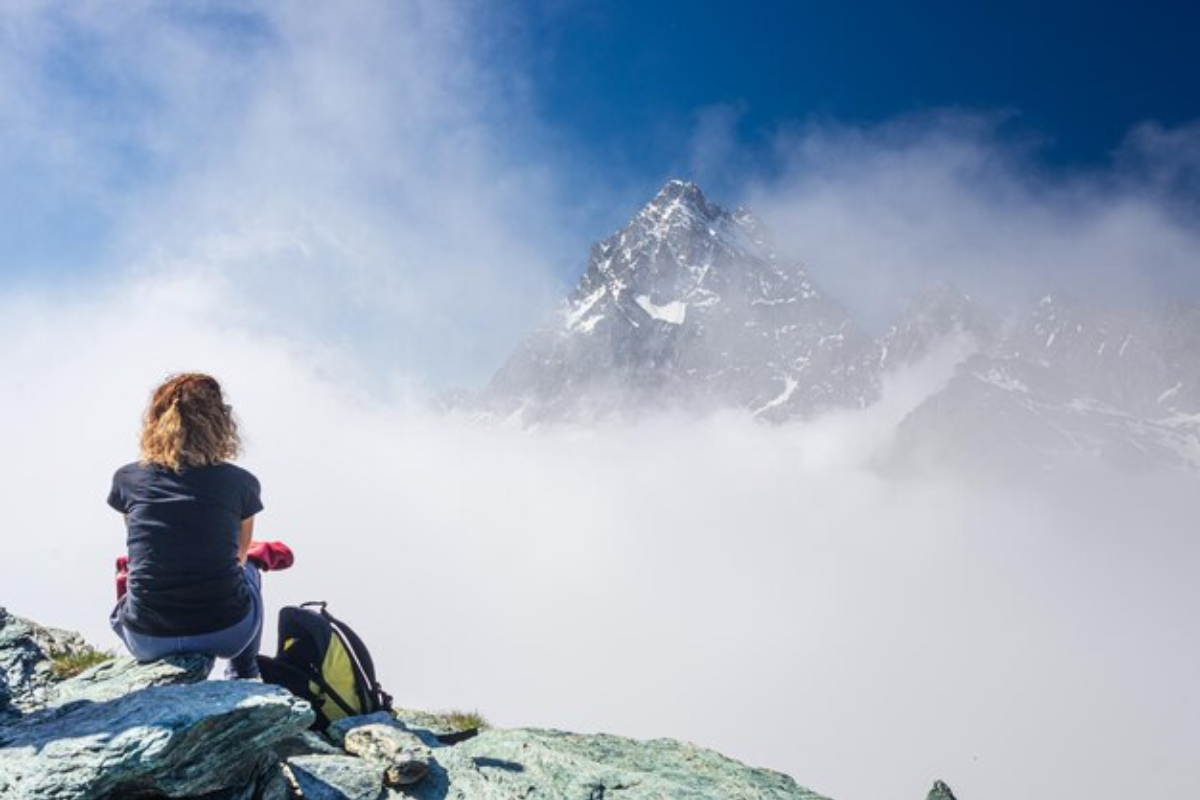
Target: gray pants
column 239, row 643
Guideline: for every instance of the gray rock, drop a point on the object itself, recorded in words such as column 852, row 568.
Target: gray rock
column 402, row 753
column 115, row 731
column 336, row 778
column 940, row 791
column 426, row 725
column 403, row 756
column 122, row 676
column 270, row 783
column 46, row 639
column 552, row 765
column 25, row 657
column 306, row 743
column 247, row 791
column 177, row 741
column 505, row 765
column 338, row 729
column 274, row 784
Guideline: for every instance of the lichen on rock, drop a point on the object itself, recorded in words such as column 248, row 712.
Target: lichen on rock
column 26, row 665
column 178, row 741
column 940, row 791
column 161, row 730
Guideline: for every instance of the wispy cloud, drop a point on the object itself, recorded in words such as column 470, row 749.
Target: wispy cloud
column 353, row 174
column 878, row 212
column 320, row 203
column 755, row 589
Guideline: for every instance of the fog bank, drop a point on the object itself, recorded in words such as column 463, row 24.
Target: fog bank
column 754, row 589
column 340, row 210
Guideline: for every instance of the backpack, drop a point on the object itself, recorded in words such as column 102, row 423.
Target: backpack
column 323, row 661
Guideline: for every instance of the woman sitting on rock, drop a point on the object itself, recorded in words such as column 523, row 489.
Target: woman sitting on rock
column 193, row 585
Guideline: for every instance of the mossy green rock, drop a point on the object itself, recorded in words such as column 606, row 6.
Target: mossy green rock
column 553, row 765
column 127, row 730
column 122, row 676
column 336, row 778
column 26, row 666
column 940, row 791
column 173, row 741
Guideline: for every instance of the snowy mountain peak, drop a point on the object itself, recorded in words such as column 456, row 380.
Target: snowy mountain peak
column 691, row 297
column 682, row 249
column 680, row 206
column 679, row 195
column 689, row 307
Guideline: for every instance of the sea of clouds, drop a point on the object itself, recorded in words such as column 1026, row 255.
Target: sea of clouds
column 329, row 212
column 759, row 590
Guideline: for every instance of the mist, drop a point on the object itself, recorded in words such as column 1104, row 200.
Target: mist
column 758, row 590
column 348, row 211
column 881, row 211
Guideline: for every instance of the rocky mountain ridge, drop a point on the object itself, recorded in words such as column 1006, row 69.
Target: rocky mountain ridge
column 121, row 730
column 690, row 307
column 1066, row 384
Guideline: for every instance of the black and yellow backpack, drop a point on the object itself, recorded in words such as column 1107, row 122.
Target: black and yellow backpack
column 325, row 662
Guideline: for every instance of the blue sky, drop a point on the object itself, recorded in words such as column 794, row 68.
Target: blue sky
column 1076, row 75
column 339, row 208
column 418, row 182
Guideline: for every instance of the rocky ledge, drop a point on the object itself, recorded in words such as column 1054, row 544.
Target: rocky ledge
column 120, row 729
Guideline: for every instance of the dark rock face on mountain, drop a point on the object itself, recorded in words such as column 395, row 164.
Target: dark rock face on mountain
column 689, row 306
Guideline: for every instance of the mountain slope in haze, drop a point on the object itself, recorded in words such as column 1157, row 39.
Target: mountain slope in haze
column 1071, row 384
column 939, row 313
column 690, row 307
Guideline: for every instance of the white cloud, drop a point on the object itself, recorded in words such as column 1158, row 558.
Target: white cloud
column 332, row 202
column 352, row 173
column 879, row 212
column 754, row 589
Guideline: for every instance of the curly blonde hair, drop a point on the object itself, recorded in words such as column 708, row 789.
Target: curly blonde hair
column 188, row 424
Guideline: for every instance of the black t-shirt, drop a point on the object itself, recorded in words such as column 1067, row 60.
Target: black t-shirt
column 184, row 577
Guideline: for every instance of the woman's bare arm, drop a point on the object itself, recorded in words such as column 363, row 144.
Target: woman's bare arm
column 244, row 537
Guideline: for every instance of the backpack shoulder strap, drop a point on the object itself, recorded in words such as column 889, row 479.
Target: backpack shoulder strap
column 361, row 657
column 304, row 672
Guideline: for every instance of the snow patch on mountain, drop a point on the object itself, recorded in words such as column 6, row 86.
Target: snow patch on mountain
column 672, row 313
column 690, row 307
